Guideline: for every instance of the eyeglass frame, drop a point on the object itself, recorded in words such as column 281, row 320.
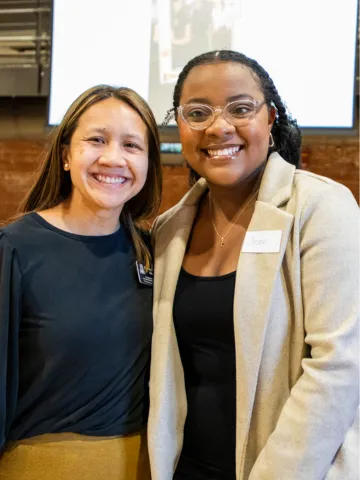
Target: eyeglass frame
column 216, row 110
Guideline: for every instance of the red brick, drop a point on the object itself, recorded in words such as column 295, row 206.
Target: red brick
column 337, row 158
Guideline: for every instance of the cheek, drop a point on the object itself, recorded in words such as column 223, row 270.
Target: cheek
column 189, row 139
column 140, row 168
column 145, row 168
column 257, row 136
column 185, row 133
column 79, row 160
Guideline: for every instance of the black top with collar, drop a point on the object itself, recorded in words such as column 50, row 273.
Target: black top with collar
column 75, row 333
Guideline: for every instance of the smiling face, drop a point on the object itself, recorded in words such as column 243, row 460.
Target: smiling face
column 225, row 154
column 107, row 157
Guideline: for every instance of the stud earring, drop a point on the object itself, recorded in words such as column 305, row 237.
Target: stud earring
column 272, row 143
column 66, row 166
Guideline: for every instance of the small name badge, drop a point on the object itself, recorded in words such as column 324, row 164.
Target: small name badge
column 265, row 241
column 145, row 278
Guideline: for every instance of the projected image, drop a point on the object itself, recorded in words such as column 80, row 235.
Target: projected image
column 180, row 30
column 144, row 44
column 184, row 28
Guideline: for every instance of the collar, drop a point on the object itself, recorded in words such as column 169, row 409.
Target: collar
column 275, row 189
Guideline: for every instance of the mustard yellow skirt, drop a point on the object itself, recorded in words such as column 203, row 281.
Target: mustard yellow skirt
column 69, row 456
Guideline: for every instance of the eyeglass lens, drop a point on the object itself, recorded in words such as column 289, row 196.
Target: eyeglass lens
column 235, row 112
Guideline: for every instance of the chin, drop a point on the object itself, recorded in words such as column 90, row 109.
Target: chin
column 226, row 179
column 109, row 204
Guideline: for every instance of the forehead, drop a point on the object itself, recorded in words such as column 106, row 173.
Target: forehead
column 220, row 81
column 112, row 114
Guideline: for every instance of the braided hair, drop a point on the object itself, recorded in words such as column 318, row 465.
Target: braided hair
column 285, row 131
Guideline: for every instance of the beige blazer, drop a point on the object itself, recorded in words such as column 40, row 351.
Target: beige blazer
column 296, row 334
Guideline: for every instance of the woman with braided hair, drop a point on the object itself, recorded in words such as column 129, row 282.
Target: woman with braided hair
column 254, row 370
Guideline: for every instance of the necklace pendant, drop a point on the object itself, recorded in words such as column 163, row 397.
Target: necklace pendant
column 222, row 243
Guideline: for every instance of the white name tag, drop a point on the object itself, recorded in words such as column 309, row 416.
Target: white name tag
column 266, row 241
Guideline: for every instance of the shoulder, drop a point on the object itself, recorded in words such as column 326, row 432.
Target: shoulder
column 318, row 183
column 325, row 211
column 9, row 246
column 283, row 184
column 189, row 200
column 311, row 190
column 165, row 217
column 5, row 242
column 15, row 232
column 25, row 237
column 167, row 220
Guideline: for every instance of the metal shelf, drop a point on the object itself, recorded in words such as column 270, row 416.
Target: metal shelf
column 25, row 39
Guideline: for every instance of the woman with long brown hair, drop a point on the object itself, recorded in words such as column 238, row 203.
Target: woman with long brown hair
column 75, row 298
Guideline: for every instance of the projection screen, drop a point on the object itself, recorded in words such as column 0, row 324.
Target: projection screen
column 308, row 48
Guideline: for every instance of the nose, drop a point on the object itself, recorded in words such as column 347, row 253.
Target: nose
column 220, row 126
column 113, row 156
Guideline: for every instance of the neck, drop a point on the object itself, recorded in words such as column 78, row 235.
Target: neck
column 83, row 220
column 230, row 200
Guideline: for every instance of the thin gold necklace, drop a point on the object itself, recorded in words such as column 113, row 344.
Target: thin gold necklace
column 222, row 238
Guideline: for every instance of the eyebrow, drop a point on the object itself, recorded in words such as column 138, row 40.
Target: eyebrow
column 135, row 136
column 92, row 130
column 228, row 99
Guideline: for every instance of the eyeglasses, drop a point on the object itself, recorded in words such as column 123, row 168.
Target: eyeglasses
column 239, row 113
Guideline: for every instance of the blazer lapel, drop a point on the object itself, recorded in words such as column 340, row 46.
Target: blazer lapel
column 171, row 239
column 255, row 280
column 167, row 386
column 170, row 246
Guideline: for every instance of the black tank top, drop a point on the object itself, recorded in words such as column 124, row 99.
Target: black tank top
column 203, row 318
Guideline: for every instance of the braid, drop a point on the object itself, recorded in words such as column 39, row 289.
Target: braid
column 285, row 131
column 168, row 116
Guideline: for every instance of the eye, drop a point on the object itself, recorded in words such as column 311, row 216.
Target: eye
column 96, row 140
column 132, row 145
column 241, row 109
column 197, row 113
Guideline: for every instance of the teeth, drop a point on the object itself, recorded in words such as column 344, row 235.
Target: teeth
column 223, row 152
column 109, row 180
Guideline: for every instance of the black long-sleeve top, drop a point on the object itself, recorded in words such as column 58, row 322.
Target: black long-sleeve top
column 75, row 333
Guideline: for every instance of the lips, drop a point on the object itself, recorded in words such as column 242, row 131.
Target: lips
column 222, row 152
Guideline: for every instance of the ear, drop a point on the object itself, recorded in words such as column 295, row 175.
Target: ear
column 65, row 158
column 272, row 116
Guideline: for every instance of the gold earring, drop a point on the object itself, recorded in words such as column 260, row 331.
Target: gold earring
column 272, row 143
column 66, row 166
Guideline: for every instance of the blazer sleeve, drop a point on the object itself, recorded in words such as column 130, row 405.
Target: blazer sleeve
column 10, row 314
column 323, row 404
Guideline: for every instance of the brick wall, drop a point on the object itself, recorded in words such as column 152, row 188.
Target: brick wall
column 334, row 157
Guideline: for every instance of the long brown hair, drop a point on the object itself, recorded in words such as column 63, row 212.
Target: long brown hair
column 53, row 185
